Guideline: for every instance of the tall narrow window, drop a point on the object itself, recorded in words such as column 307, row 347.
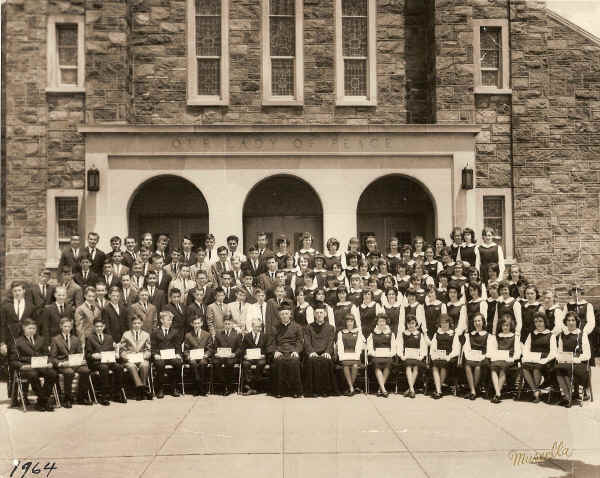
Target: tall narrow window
column 493, row 216
column 491, row 56
column 67, row 216
column 355, row 51
column 65, row 53
column 282, row 52
column 208, row 52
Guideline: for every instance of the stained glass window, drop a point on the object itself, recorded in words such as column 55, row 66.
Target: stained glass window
column 67, row 217
column 66, row 44
column 493, row 216
column 355, row 43
column 490, row 55
column 208, row 47
column 282, row 45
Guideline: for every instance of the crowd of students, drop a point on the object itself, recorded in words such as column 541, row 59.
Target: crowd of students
column 452, row 311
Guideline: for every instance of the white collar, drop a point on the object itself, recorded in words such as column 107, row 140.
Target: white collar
column 507, row 300
column 428, row 302
column 545, row 331
column 581, row 302
column 479, row 299
column 353, row 331
column 555, row 306
column 574, row 332
column 408, row 332
column 481, row 332
column 528, row 304
column 502, row 334
column 449, row 332
column 386, row 330
column 491, row 244
column 372, row 304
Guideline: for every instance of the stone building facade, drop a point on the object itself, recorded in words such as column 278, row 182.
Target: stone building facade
column 528, row 124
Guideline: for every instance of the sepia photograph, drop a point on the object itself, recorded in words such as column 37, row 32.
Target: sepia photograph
column 299, row 238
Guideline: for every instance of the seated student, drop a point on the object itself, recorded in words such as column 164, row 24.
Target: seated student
column 198, row 338
column 286, row 345
column 166, row 337
column 254, row 339
column 350, row 340
column 541, row 341
column 145, row 311
column 553, row 311
column 319, row 369
column 32, row 345
column 134, row 341
column 445, row 339
column 412, row 338
column 96, row 343
column 381, row 346
column 63, row 345
column 479, row 341
column 571, row 376
column 227, row 338
column 115, row 315
column 504, row 340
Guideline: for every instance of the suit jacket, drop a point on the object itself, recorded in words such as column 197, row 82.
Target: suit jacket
column 248, row 343
column 50, row 319
column 122, row 271
column 263, row 260
column 266, row 283
column 218, row 268
column 128, row 258
column 178, row 317
column 22, row 351
column 113, row 281
column 93, row 346
column 165, row 279
column 192, row 341
column 236, row 277
column 149, row 317
column 249, row 268
column 250, row 299
column 158, row 299
column 90, row 281
column 67, row 258
column 84, row 320
column 97, row 261
column 209, row 296
column 172, row 270
column 230, row 295
column 233, row 341
column 135, row 281
column 59, row 350
column 132, row 296
column 39, row 301
column 215, row 317
column 128, row 343
column 116, row 324
column 272, row 320
column 239, row 316
column 190, row 261
column 160, row 341
column 10, row 324
column 74, row 294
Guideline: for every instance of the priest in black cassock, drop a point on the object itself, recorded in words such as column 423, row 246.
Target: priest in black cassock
column 286, row 347
column 319, row 369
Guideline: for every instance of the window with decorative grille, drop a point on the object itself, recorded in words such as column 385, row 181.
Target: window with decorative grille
column 490, row 55
column 493, row 216
column 65, row 53
column 66, row 46
column 67, row 218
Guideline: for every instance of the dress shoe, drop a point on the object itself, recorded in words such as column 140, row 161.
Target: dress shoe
column 407, row 393
column 385, row 394
column 278, row 395
column 68, row 404
column 348, row 393
column 160, row 394
column 175, row 393
column 49, row 407
column 149, row 396
column 84, row 401
column 296, row 395
column 104, row 401
column 226, row 393
column 412, row 395
column 40, row 407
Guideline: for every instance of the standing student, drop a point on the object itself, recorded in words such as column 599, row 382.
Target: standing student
column 585, row 313
column 553, row 311
column 350, row 340
column 24, row 347
column 156, row 295
column 232, row 248
column 50, row 317
column 85, row 277
column 412, row 338
column 86, row 314
column 217, row 312
column 198, row 338
column 145, row 311
column 137, row 340
column 432, row 266
column 74, row 295
column 369, row 310
column 504, row 340
column 239, row 311
column 303, row 309
column 116, row 315
column 456, row 239
column 353, row 250
column 342, row 308
column 70, row 256
column 319, row 369
column 166, row 337
column 492, row 305
column 230, row 339
column 468, row 252
column 446, row 340
column 183, row 282
column 381, row 346
column 507, row 303
column 433, row 309
column 178, row 310
column 13, row 313
column 394, row 310
column 541, row 341
column 489, row 252
column 188, row 256
column 96, row 256
column 332, row 254
column 96, row 343
column 307, row 249
column 254, row 367
column 476, row 345
column 283, row 254
column 528, row 311
column 130, row 254
column 63, row 345
column 456, row 309
column 320, row 299
column 394, row 256
column 438, row 246
column 475, row 306
column 514, row 277
column 413, row 308
column 40, row 295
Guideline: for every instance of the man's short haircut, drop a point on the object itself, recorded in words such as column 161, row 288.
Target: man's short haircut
column 28, row 322
column 222, row 249
column 89, row 289
column 174, row 291
column 233, row 238
column 64, row 320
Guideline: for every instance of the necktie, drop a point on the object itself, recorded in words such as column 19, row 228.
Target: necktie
column 92, row 308
column 255, row 339
column 166, row 332
column 137, row 336
column 240, row 307
column 101, row 337
column 175, row 268
column 261, row 311
column 125, row 295
column 85, row 275
column 107, row 280
column 18, row 309
column 220, row 307
column 93, row 253
column 43, row 290
column 145, row 306
column 60, row 309
column 68, row 342
column 179, row 308
column 31, row 340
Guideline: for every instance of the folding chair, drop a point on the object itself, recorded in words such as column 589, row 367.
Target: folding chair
column 17, row 387
column 125, row 372
column 187, row 367
column 96, row 373
column 235, row 382
column 152, row 373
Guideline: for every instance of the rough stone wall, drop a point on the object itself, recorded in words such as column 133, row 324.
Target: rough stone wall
column 159, row 49
column 556, row 150
column 2, row 149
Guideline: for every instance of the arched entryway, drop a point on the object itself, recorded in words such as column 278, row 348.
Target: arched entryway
column 283, row 204
column 169, row 205
column 396, row 206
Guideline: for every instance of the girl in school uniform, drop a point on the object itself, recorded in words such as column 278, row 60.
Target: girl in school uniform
column 394, row 310
column 458, row 275
column 489, row 252
column 438, row 246
column 447, row 261
column 353, row 249
column 475, row 307
column 554, row 314
column 505, row 340
column 541, row 341
column 382, row 272
column 473, row 276
column 434, row 309
column 369, row 310
column 332, row 254
column 282, row 254
column 455, row 242
column 407, row 258
column 394, row 256
column 413, row 307
column 418, row 245
column 290, row 270
column 493, row 274
column 381, row 337
column 467, row 252
column 373, row 286
column 528, row 310
column 388, row 283
column 343, row 308
column 492, row 305
column 522, row 287
column 319, row 270
column 583, row 309
column 319, row 297
column 350, row 339
column 431, row 265
column 307, row 249
column 412, row 338
column 425, row 280
column 402, row 277
column 302, row 269
column 474, row 349
column 507, row 303
column 352, row 265
column 456, row 308
column 446, row 340
column 513, row 277
column 363, row 272
column 573, row 340
column 341, row 278
column 331, row 290
column 303, row 309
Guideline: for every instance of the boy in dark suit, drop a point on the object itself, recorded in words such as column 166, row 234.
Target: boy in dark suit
column 177, row 309
column 248, row 287
column 166, row 337
column 63, row 345
column 40, row 295
column 253, row 368
column 97, row 257
column 267, row 280
column 71, row 255
column 230, row 292
column 252, row 265
column 227, row 338
column 116, row 315
column 96, row 343
column 202, row 283
column 162, row 278
column 196, row 309
column 32, row 345
column 156, row 295
column 12, row 314
column 86, row 277
column 50, row 317
column 109, row 277
column 198, row 338
column 128, row 292
column 130, row 254
column 188, row 257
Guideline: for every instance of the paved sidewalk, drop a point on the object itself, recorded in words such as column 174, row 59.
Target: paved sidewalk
column 261, row 436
